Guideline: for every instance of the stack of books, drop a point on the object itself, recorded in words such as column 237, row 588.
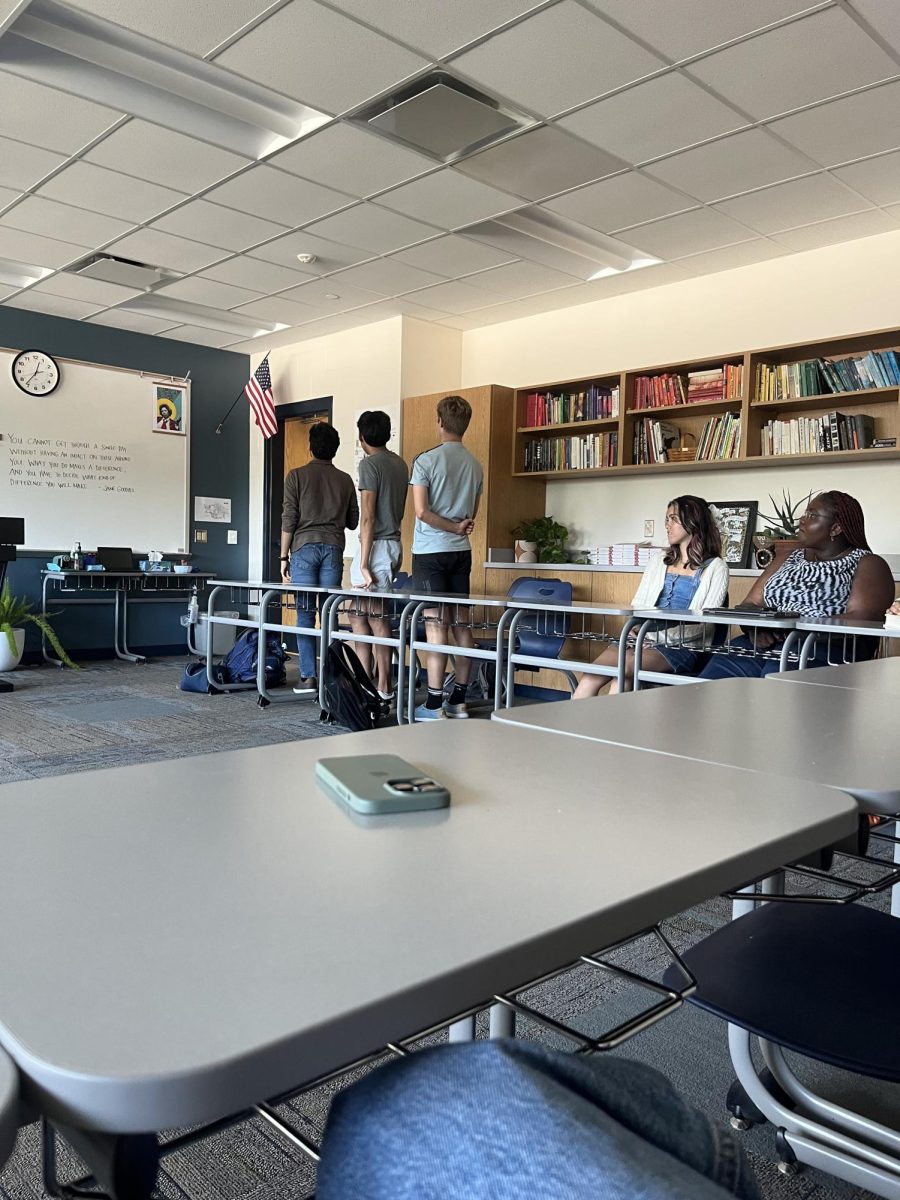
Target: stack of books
column 717, row 383
column 825, row 376
column 651, row 440
column 576, row 453
column 596, row 403
column 818, row 435
column 624, row 554
column 659, row 391
column 720, row 438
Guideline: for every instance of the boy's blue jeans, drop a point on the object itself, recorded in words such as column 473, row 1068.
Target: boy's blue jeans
column 313, row 565
column 508, row 1120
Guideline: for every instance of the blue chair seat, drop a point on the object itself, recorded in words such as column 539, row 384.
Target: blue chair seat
column 819, row 979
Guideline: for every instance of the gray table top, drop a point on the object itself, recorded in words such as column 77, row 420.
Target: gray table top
column 847, row 626
column 881, row 675
column 9, row 1106
column 214, row 930
column 829, row 736
column 688, row 616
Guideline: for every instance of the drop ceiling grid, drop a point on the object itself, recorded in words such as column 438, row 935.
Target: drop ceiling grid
column 651, row 57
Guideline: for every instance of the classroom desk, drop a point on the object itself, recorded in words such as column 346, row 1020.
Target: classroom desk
column 842, row 628
column 878, row 675
column 124, row 586
column 213, row 931
column 824, row 735
column 752, row 620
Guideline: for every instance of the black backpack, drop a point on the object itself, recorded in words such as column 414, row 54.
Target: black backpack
column 240, row 663
column 349, row 694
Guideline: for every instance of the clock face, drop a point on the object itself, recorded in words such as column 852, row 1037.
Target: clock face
column 35, row 372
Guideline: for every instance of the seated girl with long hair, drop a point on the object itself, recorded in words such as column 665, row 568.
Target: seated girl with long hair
column 691, row 575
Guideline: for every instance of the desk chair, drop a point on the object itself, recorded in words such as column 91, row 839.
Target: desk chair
column 821, row 980
column 541, row 633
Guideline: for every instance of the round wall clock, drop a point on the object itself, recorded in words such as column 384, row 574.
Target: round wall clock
column 35, row 372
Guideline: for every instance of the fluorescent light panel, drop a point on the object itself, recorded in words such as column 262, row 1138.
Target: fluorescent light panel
column 87, row 56
column 16, row 274
column 200, row 314
column 597, row 254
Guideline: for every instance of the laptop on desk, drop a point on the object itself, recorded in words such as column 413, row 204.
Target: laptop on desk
column 115, row 558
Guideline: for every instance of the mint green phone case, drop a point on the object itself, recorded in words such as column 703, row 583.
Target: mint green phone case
column 364, row 782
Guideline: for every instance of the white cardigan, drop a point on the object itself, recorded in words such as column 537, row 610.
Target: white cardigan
column 711, row 592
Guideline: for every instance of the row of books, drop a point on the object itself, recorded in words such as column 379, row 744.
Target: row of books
column 623, row 554
column 824, row 376
column 664, row 391
column 596, row 403
column 576, row 453
column 818, row 435
column 652, row 439
column 720, row 438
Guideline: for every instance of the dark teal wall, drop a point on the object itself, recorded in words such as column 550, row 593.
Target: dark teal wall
column 219, row 463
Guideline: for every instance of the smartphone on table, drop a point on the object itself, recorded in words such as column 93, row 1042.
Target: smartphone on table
column 380, row 783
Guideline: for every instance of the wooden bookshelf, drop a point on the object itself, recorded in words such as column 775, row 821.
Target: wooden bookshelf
column 881, row 403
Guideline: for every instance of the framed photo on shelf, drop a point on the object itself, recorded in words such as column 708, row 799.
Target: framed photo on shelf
column 736, row 520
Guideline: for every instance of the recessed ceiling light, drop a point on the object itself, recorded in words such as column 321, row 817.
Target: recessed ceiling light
column 17, row 274
column 332, row 296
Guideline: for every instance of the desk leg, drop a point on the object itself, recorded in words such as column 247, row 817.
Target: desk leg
column 119, row 637
column 46, row 656
column 503, row 1021
column 125, row 1166
column 462, row 1030
column 126, row 652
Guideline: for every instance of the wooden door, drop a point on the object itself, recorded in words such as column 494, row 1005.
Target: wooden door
column 297, row 454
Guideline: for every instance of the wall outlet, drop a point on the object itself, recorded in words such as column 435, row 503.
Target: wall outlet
column 232, row 537
column 199, row 535
column 649, row 526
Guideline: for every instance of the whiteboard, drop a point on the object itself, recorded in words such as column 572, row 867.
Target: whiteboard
column 86, row 464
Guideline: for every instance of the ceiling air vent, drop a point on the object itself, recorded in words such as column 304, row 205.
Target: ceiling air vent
column 443, row 117
column 124, row 271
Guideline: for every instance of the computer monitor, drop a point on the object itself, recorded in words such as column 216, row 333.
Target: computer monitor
column 116, row 558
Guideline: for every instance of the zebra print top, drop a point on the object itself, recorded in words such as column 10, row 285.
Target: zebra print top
column 813, row 587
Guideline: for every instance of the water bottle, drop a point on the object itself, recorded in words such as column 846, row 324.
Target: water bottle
column 77, row 558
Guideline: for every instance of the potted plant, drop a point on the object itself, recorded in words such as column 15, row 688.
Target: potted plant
column 15, row 614
column 780, row 532
column 547, row 538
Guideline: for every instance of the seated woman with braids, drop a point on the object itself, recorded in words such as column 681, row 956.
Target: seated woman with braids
column 833, row 573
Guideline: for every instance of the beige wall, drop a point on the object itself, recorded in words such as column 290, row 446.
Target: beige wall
column 818, row 294
column 430, row 358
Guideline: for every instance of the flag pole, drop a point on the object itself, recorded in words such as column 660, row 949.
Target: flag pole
column 237, row 397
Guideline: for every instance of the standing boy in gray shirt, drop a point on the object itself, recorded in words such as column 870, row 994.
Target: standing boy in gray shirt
column 383, row 485
column 447, row 484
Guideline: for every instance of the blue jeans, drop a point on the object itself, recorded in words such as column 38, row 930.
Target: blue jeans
column 500, row 1120
column 755, row 666
column 313, row 565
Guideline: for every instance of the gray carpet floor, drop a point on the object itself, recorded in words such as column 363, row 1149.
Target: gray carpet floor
column 113, row 714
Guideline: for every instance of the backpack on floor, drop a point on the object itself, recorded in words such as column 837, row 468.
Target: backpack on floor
column 194, row 679
column 349, row 694
column 241, row 661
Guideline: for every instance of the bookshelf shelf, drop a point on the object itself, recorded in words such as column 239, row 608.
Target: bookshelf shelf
column 772, row 460
column 570, row 426
column 699, row 406
column 828, row 400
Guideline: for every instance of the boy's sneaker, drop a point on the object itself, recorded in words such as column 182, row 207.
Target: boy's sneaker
column 307, row 686
column 386, row 701
column 456, row 712
column 422, row 713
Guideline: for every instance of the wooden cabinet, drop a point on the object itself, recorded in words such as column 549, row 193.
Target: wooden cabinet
column 505, row 501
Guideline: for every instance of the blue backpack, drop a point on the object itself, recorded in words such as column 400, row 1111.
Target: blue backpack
column 240, row 663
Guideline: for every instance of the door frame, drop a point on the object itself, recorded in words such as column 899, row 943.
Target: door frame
column 273, row 477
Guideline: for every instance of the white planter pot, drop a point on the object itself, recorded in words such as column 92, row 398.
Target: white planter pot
column 526, row 552
column 8, row 661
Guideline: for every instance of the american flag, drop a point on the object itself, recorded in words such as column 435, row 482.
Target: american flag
column 262, row 400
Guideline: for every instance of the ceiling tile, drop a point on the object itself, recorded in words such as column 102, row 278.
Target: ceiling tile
column 453, row 255
column 452, row 297
column 351, row 160
column 876, row 178
column 883, row 16
column 80, row 287
column 521, row 279
column 623, row 200
column 109, row 192
column 208, row 292
column 556, row 59
column 265, row 192
column 386, row 276
column 692, row 26
column 775, row 72
column 200, row 336
column 742, row 255
column 22, row 166
column 43, row 116
column 282, row 312
column 318, row 294
column 813, row 198
column 8, row 196
column 165, row 250
column 448, row 199
column 57, row 306
column 841, row 229
column 652, row 118
column 687, row 233
column 433, row 26
column 219, row 226
column 464, row 322
column 377, row 229
column 320, row 57
column 330, row 255
column 403, row 306
column 40, row 251
column 845, row 129
column 37, row 215
column 734, row 164
column 118, row 318
column 540, row 163
column 151, row 152
column 258, row 276
column 197, row 27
